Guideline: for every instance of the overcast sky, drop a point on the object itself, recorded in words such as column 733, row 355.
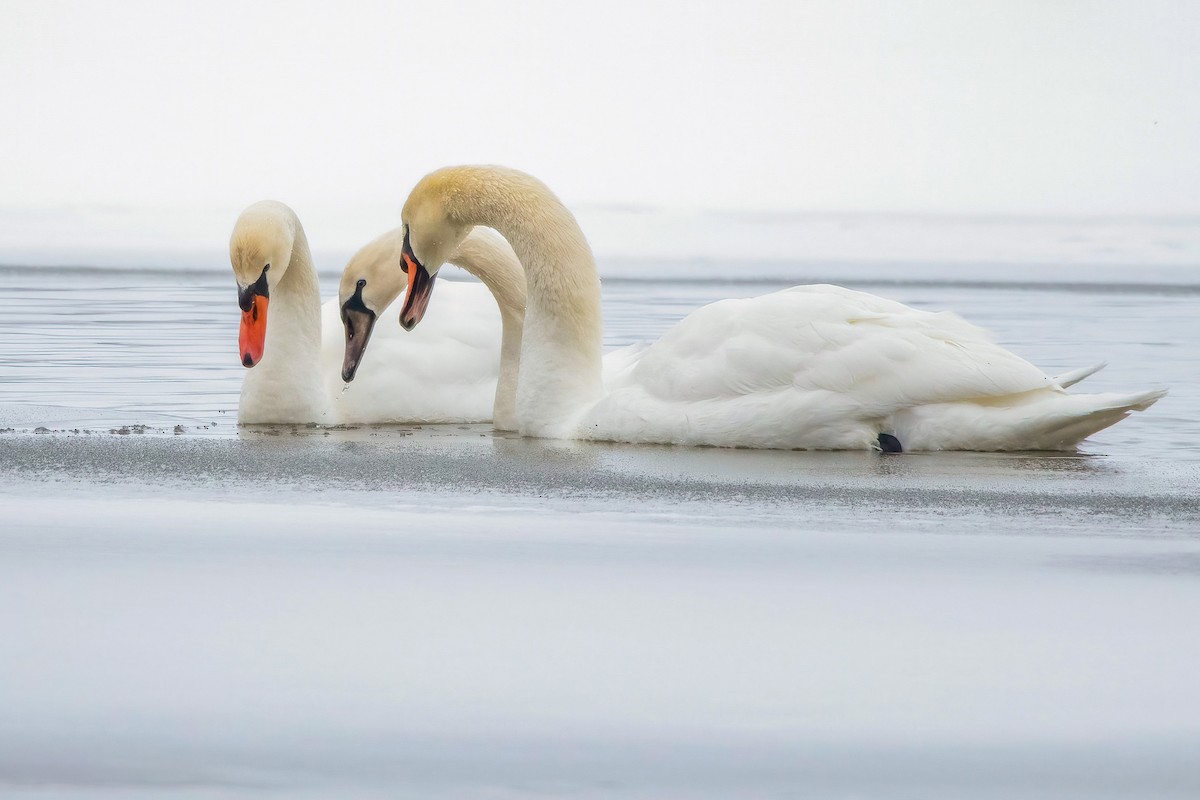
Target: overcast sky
column 1009, row 106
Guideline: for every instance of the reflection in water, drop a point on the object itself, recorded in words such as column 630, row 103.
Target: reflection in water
column 1060, row 462
column 1185, row 563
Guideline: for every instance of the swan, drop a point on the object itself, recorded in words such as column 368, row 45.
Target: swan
column 810, row 367
column 370, row 285
column 298, row 358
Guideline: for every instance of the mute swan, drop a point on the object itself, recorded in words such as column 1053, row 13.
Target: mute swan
column 811, row 367
column 370, row 285
column 447, row 377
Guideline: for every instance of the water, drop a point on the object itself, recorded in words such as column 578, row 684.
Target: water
column 444, row 612
column 147, row 345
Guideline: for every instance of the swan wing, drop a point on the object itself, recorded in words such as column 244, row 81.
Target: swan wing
column 830, row 339
column 618, row 366
column 812, row 366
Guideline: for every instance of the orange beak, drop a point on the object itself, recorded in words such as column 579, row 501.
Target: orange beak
column 252, row 336
column 420, row 287
column 410, row 268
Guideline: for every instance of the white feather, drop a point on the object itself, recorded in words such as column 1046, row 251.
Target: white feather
column 446, row 374
column 823, row 367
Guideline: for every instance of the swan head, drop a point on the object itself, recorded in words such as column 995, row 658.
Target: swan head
column 260, row 249
column 430, row 235
column 370, row 283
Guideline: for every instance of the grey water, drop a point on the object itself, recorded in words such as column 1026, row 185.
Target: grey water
column 196, row 611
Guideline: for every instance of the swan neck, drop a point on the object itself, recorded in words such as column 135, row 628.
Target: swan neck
column 285, row 386
column 488, row 257
column 560, row 347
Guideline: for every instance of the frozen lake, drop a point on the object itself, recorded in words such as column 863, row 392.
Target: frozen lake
column 442, row 612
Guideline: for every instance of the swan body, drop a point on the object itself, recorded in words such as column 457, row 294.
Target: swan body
column 812, row 367
column 823, row 367
column 447, row 377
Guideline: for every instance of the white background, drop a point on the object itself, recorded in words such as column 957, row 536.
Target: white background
column 1007, row 107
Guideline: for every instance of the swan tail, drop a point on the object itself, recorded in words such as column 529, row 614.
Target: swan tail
column 1056, row 421
column 1067, row 430
column 1068, row 379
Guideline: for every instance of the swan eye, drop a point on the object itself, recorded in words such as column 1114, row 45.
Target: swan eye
column 361, row 283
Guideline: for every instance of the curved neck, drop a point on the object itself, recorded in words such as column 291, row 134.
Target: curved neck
column 559, row 372
column 285, row 386
column 490, row 258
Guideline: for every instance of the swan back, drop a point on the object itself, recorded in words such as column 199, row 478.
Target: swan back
column 824, row 367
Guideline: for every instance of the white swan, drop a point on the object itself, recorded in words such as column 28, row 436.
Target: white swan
column 370, row 285
column 297, row 359
column 812, row 367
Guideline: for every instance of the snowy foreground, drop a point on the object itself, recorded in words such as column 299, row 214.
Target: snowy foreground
column 443, row 613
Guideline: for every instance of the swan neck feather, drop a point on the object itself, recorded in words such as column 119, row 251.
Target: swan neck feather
column 559, row 372
column 486, row 255
column 285, row 386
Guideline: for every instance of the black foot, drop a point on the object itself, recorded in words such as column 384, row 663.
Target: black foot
column 889, row 443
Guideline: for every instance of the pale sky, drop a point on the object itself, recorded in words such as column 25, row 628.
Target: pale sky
column 975, row 107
